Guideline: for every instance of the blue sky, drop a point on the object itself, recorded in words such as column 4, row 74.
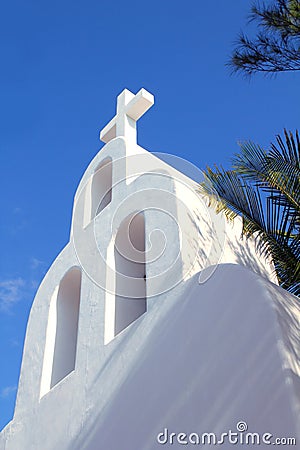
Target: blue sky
column 62, row 65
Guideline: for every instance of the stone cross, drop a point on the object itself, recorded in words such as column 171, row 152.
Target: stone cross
column 130, row 108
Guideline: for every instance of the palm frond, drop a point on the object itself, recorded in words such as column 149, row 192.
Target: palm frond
column 264, row 189
column 289, row 151
column 278, row 169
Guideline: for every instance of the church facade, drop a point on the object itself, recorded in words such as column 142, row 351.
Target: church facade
column 156, row 323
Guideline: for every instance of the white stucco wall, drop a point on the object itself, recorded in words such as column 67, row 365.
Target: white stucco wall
column 202, row 355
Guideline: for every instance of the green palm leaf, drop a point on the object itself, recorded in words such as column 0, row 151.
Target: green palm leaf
column 264, row 189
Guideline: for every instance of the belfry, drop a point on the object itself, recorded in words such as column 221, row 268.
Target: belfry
column 156, row 323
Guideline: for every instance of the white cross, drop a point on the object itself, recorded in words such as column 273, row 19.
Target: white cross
column 130, row 108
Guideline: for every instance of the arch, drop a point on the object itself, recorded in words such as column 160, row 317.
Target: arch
column 62, row 330
column 101, row 191
column 130, row 269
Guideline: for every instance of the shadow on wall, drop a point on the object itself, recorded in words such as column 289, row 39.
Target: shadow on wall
column 242, row 250
column 206, row 240
column 195, row 372
column 288, row 310
column 212, row 245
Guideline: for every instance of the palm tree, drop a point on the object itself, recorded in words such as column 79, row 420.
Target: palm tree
column 263, row 187
column 276, row 46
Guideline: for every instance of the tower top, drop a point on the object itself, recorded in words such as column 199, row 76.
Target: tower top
column 130, row 107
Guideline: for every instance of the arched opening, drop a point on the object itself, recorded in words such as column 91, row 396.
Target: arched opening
column 67, row 313
column 130, row 269
column 101, row 189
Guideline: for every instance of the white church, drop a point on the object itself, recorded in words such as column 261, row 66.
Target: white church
column 157, row 326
